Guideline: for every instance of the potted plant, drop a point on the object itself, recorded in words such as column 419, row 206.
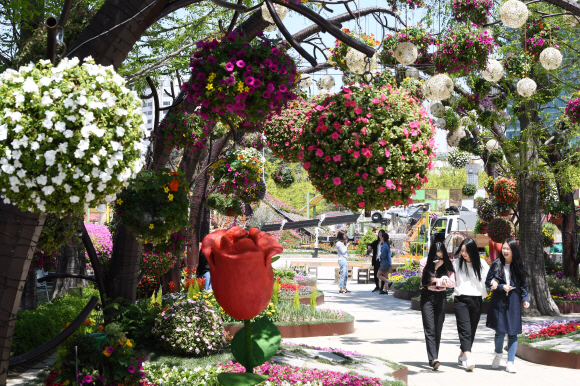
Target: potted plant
column 474, row 11
column 458, row 158
column 283, row 177
column 184, row 131
column 505, row 191
column 469, row 190
column 500, row 229
column 390, row 150
column 517, row 65
column 418, row 35
column 573, row 110
column 228, row 205
column 539, row 36
column 558, row 210
column 486, row 210
column 548, row 232
column 340, row 49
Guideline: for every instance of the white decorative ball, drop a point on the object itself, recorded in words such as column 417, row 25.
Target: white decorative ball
column 513, row 13
column 571, row 20
column 492, row 145
column 551, row 58
column 493, row 71
column 326, row 82
column 437, row 109
column 280, row 10
column 412, row 73
column 526, row 87
column 406, row 53
column 460, row 133
column 453, row 140
column 439, row 87
column 271, row 28
column 440, row 123
column 355, row 61
column 305, row 81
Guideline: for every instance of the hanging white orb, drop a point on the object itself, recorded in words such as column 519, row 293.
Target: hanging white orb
column 412, row 73
column 513, row 13
column 460, row 133
column 551, row 58
column 453, row 140
column 440, row 123
column 355, row 61
column 571, row 20
column 437, row 109
column 271, row 28
column 439, row 87
column 406, row 53
column 280, row 10
column 492, row 145
column 493, row 71
column 326, row 82
column 305, row 81
column 526, row 87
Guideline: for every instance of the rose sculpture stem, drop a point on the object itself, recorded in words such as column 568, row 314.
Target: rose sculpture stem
column 249, row 346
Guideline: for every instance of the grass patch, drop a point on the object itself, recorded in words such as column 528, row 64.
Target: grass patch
column 574, row 352
column 323, row 360
column 162, row 357
column 394, row 383
column 547, row 348
column 299, row 351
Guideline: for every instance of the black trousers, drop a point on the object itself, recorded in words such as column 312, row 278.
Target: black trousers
column 433, row 313
column 467, row 313
column 378, row 283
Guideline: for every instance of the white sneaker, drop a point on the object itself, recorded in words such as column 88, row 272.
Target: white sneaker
column 510, row 367
column 496, row 360
column 469, row 365
column 461, row 359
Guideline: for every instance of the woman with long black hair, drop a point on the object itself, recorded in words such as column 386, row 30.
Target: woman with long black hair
column 507, row 279
column 385, row 262
column 470, row 274
column 437, row 274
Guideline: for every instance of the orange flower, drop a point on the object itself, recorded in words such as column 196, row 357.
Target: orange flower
column 174, row 185
column 88, row 322
column 100, row 328
column 173, row 173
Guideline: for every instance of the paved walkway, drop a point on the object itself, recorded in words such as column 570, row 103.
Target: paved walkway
column 388, row 328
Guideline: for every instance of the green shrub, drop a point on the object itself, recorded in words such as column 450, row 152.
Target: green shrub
column 368, row 238
column 411, row 284
column 135, row 320
column 36, row 327
column 562, row 286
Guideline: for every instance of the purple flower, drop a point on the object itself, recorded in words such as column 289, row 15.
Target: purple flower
column 250, row 80
column 131, row 369
column 87, row 379
column 110, row 349
column 211, row 59
column 274, row 68
column 241, row 53
column 229, row 66
column 232, row 37
column 267, row 62
column 275, row 51
column 282, row 88
column 230, row 108
column 198, row 54
column 241, row 64
column 205, row 103
column 266, row 94
column 271, row 87
column 201, row 76
column 257, row 83
column 230, row 80
column 199, row 43
column 221, row 95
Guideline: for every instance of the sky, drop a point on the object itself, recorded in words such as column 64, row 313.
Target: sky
column 295, row 22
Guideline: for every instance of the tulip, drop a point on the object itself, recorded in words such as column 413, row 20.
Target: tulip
column 241, row 269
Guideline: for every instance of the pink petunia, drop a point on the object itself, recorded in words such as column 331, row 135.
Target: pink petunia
column 380, row 170
column 387, row 153
column 389, row 184
column 336, row 181
column 382, row 142
column 414, row 124
column 365, row 175
column 306, row 165
column 334, row 135
column 336, row 158
column 319, row 152
column 410, row 200
column 356, row 154
column 358, row 110
column 361, row 204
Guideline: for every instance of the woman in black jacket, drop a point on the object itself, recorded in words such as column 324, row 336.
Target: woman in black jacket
column 374, row 249
column 507, row 280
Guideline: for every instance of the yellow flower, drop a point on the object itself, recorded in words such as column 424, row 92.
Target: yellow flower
column 268, row 313
column 129, row 343
column 170, row 197
column 119, row 201
column 209, row 86
column 151, row 226
column 166, row 189
column 246, row 89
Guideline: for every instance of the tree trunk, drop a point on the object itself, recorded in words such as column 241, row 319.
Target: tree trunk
column 124, row 271
column 29, row 300
column 71, row 259
column 569, row 239
column 19, row 233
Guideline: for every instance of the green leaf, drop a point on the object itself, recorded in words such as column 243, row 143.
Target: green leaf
column 241, row 379
column 275, row 258
column 266, row 340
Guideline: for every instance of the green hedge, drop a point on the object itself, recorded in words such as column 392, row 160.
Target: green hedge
column 36, row 327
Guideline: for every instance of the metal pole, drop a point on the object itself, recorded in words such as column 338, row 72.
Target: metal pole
column 51, row 24
column 308, row 205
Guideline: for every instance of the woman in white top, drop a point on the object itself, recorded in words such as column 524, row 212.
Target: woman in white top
column 470, row 274
column 341, row 248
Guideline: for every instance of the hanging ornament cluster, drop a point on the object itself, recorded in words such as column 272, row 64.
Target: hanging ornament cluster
column 440, row 123
column 406, row 53
column 493, row 71
column 356, row 61
column 280, row 10
column 551, row 58
column 454, row 137
column 526, row 87
column 437, row 109
column 305, row 81
column 438, row 87
column 326, row 83
column 513, row 13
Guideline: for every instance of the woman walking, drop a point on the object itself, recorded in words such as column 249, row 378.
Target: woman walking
column 375, row 250
column 470, row 274
column 437, row 274
column 385, row 262
column 341, row 248
column 507, row 279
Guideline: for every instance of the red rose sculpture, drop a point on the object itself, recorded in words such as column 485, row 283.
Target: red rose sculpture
column 241, row 269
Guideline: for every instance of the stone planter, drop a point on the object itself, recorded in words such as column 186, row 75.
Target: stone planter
column 547, row 357
column 406, row 295
column 308, row 330
column 401, row 374
column 557, row 219
column 568, row 307
column 310, row 283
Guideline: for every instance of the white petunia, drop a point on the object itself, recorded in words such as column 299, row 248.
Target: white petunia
column 68, row 102
column 71, row 118
column 96, row 161
column 56, row 93
column 46, row 100
column 41, row 180
column 18, row 129
column 29, row 85
column 74, row 199
column 82, row 100
column 62, row 147
column 121, row 112
column 58, row 179
column 60, row 126
column 48, row 190
column 18, row 97
column 79, row 153
column 120, row 131
column 83, row 144
column 16, row 116
column 16, row 154
column 41, row 137
column 105, row 95
column 50, row 157
column 14, row 181
column 66, row 188
column 45, row 81
column 47, row 123
column 21, row 173
column 103, row 152
column 50, row 114
column 89, row 197
column 86, row 178
column 3, row 132
column 68, row 133
column 100, row 79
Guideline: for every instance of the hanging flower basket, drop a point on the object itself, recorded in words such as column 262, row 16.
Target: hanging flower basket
column 401, row 4
column 573, row 110
column 517, row 65
column 283, row 177
column 463, row 50
column 458, row 158
column 283, row 130
column 505, row 191
column 70, row 136
column 358, row 157
column 474, row 11
column 500, row 229
column 338, row 52
column 539, row 36
column 486, row 209
column 184, row 131
column 255, row 140
column 230, row 206
column 240, row 80
column 417, row 35
column 469, row 190
column 239, row 174
column 154, row 206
